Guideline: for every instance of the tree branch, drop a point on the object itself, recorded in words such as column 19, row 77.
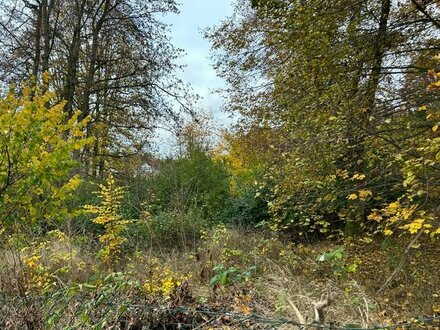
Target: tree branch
column 423, row 10
column 319, row 306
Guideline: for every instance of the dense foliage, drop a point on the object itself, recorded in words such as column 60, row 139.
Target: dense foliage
column 193, row 181
column 334, row 91
column 329, row 179
column 37, row 142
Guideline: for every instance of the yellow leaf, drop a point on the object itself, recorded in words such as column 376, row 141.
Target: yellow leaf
column 366, row 240
column 434, row 84
column 352, row 197
column 388, row 232
column 415, row 245
column 375, row 216
column 392, row 208
column 364, row 193
column 342, row 173
column 414, row 226
column 434, row 128
column 358, row 176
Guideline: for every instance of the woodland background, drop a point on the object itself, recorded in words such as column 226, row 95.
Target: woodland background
column 329, row 178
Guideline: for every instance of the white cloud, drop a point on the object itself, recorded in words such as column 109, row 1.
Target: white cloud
column 186, row 33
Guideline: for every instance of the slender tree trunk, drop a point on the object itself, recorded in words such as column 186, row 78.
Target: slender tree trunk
column 46, row 12
column 91, row 71
column 72, row 59
column 380, row 46
column 37, row 56
column 358, row 213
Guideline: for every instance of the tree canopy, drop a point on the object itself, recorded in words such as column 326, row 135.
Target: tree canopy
column 110, row 59
column 338, row 87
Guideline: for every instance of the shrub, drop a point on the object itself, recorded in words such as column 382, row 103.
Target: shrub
column 36, row 146
column 167, row 229
column 246, row 209
column 192, row 182
column 109, row 217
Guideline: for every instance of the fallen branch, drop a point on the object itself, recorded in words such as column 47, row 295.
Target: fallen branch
column 326, row 300
column 298, row 314
column 318, row 307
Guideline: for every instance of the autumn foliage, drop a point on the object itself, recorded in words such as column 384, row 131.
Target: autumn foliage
column 37, row 143
column 327, row 185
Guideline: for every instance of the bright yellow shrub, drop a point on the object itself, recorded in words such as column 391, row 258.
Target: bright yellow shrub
column 108, row 216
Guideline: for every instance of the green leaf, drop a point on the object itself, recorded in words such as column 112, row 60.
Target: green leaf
column 224, row 279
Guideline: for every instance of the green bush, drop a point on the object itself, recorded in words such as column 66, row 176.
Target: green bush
column 167, row 229
column 246, row 209
column 36, row 161
column 194, row 181
column 176, row 200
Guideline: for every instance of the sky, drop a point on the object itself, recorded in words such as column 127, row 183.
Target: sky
column 186, row 33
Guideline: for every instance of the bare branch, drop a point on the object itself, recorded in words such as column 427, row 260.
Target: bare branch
column 425, row 12
column 401, row 263
column 326, row 300
column 298, row 314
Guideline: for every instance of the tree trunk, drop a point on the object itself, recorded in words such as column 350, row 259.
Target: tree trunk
column 37, row 56
column 72, row 60
column 358, row 214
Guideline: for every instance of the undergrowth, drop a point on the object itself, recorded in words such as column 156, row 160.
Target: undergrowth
column 56, row 282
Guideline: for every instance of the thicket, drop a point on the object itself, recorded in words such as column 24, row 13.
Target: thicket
column 339, row 109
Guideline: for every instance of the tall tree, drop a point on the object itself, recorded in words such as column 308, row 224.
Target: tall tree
column 111, row 59
column 330, row 80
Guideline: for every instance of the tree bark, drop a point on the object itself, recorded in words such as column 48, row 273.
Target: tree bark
column 72, row 59
column 358, row 214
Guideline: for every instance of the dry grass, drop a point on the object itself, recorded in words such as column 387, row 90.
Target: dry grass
column 286, row 274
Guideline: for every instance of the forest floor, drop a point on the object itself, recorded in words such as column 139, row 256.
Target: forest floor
column 244, row 272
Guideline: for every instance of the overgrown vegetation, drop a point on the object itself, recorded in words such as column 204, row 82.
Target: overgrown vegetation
column 328, row 183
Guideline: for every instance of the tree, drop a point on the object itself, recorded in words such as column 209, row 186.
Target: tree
column 416, row 210
column 110, row 59
column 37, row 143
column 330, row 81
